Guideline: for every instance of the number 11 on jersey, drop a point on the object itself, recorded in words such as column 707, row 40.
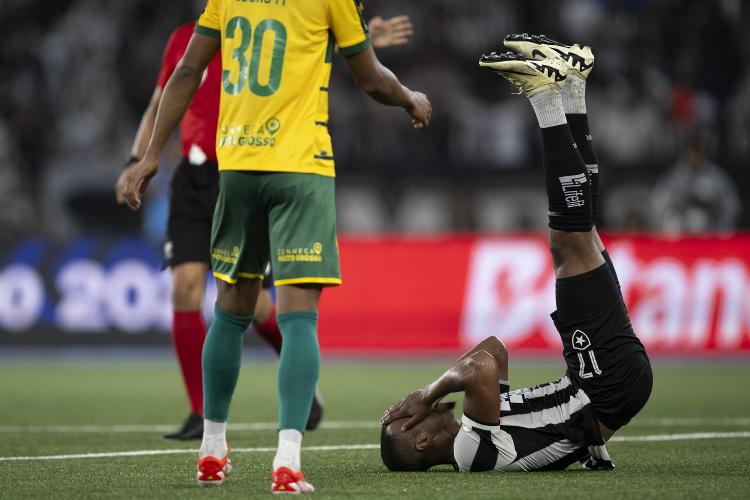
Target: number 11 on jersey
column 582, row 364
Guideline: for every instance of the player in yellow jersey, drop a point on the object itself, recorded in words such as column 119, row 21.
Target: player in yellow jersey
column 276, row 198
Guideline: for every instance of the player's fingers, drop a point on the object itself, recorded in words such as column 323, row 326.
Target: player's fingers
column 393, row 415
column 399, row 40
column 402, row 30
column 414, row 420
column 399, row 21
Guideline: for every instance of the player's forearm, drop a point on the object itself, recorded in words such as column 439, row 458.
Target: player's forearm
column 146, row 126
column 386, row 89
column 174, row 101
column 495, row 348
column 456, row 379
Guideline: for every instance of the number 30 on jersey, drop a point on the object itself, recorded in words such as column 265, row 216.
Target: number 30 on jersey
column 247, row 54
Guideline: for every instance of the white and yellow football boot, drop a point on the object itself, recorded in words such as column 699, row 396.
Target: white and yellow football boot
column 530, row 76
column 579, row 59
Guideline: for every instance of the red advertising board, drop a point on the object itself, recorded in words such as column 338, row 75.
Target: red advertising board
column 685, row 296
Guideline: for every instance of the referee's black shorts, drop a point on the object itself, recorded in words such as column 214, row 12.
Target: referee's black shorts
column 192, row 197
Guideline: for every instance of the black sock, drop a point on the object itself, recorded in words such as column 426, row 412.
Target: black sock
column 605, row 254
column 579, row 127
column 568, row 190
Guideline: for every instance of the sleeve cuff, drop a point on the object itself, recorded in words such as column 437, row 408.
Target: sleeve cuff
column 469, row 422
column 202, row 30
column 355, row 49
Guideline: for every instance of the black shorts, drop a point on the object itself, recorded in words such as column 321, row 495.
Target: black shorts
column 192, row 197
column 602, row 352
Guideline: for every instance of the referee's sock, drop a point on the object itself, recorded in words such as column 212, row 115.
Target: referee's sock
column 188, row 334
column 568, row 189
column 222, row 357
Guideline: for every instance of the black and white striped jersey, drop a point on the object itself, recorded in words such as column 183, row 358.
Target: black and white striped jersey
column 547, row 427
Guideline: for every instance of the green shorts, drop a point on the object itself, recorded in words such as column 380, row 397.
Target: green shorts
column 287, row 218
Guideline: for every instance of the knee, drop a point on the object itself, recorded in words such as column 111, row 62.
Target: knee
column 565, row 245
column 239, row 298
column 187, row 292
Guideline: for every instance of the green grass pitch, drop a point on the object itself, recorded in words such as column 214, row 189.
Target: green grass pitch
column 70, row 408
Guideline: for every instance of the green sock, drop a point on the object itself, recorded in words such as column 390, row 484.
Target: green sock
column 299, row 367
column 222, row 357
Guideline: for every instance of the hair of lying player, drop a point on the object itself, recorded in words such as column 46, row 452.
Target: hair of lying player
column 398, row 452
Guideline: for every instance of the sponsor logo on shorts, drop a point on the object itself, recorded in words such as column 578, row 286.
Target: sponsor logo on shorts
column 580, row 341
column 226, row 256
column 313, row 253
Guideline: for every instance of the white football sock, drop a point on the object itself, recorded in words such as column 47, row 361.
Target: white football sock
column 288, row 452
column 548, row 108
column 574, row 95
column 214, row 439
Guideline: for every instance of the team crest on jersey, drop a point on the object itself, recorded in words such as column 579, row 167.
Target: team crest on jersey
column 580, row 341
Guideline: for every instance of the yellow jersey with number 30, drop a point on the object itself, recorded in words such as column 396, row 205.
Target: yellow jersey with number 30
column 276, row 63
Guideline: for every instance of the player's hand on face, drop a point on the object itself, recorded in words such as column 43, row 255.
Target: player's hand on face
column 136, row 181
column 420, row 110
column 414, row 406
column 388, row 32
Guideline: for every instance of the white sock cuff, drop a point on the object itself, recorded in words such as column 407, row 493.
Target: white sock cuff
column 574, row 96
column 213, row 428
column 548, row 108
column 292, row 435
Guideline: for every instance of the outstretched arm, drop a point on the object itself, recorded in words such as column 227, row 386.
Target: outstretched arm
column 175, row 100
column 475, row 375
column 381, row 84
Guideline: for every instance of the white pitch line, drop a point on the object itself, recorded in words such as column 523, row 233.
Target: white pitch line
column 145, row 453
column 344, row 447
column 679, row 437
column 690, row 421
column 247, row 426
column 342, row 424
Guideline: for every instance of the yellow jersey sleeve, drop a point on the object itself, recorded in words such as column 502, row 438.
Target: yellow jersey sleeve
column 348, row 26
column 208, row 23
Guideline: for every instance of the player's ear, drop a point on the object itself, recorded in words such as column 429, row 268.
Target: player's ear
column 423, row 441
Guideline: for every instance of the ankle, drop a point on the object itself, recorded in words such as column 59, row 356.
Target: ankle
column 574, row 95
column 548, row 108
column 288, row 451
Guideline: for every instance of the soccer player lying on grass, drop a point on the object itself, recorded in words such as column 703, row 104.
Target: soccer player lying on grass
column 608, row 378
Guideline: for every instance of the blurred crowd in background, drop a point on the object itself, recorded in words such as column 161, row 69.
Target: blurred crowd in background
column 669, row 105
